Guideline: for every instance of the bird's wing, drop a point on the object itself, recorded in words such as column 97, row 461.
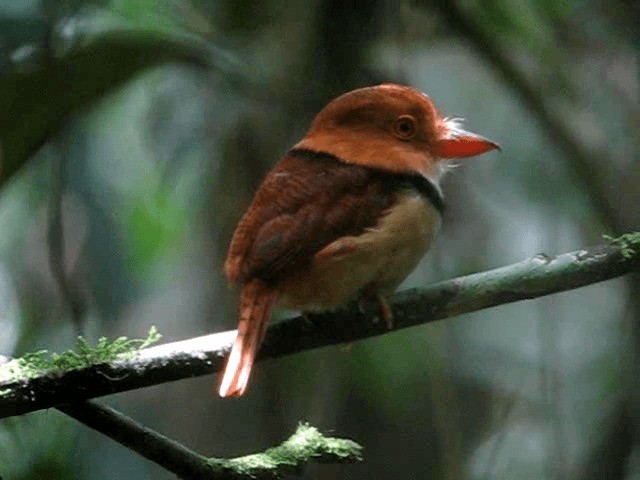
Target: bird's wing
column 306, row 202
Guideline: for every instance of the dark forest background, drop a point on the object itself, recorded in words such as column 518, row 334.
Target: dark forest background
column 146, row 125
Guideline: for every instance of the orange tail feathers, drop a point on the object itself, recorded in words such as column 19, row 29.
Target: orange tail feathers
column 257, row 301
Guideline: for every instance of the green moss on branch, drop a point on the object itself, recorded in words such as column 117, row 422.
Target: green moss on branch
column 629, row 243
column 305, row 445
column 82, row 356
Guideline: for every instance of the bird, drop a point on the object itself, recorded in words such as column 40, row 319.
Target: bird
column 346, row 214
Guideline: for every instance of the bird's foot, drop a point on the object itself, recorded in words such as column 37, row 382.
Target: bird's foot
column 385, row 310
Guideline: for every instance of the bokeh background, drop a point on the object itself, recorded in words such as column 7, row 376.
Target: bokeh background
column 150, row 170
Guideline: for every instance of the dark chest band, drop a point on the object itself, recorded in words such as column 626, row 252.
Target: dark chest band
column 422, row 185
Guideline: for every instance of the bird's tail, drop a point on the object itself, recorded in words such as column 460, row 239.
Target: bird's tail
column 257, row 301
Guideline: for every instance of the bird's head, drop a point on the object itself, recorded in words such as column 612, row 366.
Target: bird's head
column 394, row 128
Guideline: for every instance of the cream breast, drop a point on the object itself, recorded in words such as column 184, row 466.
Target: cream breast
column 383, row 256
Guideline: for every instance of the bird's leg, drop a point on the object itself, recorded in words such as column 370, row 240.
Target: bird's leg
column 385, row 310
column 373, row 293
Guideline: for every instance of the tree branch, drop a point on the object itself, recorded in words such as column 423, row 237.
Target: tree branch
column 305, row 445
column 71, row 297
column 535, row 277
column 167, row 453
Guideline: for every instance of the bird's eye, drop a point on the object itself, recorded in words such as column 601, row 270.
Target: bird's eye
column 404, row 127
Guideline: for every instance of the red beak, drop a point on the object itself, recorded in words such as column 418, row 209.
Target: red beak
column 458, row 143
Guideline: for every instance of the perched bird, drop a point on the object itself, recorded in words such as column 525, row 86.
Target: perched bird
column 349, row 211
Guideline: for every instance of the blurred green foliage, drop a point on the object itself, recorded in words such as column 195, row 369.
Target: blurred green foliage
column 37, row 446
column 82, row 59
column 156, row 223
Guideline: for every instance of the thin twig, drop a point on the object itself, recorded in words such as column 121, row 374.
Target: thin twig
column 535, row 277
column 306, row 445
column 55, row 231
column 56, row 244
column 167, row 453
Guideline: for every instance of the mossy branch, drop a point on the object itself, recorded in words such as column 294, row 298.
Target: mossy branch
column 535, row 277
column 307, row 444
column 83, row 356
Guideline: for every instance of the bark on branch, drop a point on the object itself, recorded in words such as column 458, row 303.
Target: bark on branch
column 535, row 277
column 307, row 444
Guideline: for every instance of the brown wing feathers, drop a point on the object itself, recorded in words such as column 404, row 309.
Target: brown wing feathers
column 307, row 201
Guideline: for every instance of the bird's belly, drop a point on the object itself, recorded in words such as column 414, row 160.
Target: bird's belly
column 381, row 258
